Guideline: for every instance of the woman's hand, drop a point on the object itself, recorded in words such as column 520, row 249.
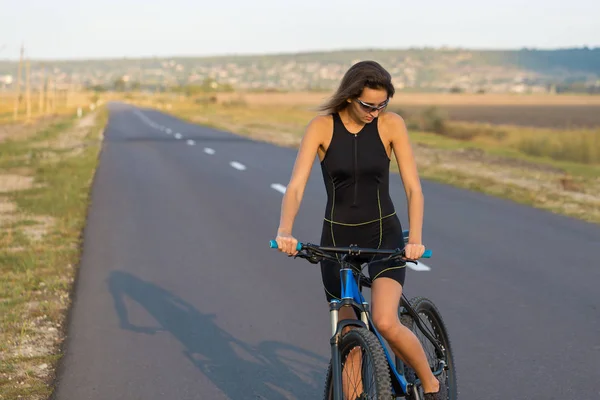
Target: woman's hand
column 286, row 243
column 414, row 251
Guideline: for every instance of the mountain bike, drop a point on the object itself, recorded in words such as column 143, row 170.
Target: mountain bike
column 382, row 376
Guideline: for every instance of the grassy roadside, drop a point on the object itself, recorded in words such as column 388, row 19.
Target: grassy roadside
column 44, row 185
column 59, row 105
column 553, row 170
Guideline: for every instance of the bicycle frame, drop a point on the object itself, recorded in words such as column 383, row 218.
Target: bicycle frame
column 351, row 296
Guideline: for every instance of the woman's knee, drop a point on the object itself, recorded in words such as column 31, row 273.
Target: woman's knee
column 385, row 298
column 385, row 323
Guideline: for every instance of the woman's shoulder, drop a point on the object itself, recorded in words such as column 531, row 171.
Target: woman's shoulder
column 391, row 118
column 322, row 119
column 321, row 123
column 318, row 129
column 391, row 125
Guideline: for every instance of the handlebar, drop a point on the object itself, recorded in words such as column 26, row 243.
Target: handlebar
column 351, row 250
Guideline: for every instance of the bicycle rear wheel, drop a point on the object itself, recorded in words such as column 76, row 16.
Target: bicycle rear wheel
column 361, row 354
column 432, row 321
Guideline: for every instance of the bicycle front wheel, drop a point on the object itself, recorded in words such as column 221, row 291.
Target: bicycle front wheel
column 432, row 322
column 365, row 370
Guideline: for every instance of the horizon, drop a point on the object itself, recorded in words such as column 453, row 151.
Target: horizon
column 300, row 52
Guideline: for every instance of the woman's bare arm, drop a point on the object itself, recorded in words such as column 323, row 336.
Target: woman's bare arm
column 309, row 146
column 396, row 130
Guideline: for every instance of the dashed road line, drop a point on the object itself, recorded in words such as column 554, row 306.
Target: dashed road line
column 279, row 187
column 237, row 165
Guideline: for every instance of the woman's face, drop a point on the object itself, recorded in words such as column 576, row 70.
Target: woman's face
column 369, row 104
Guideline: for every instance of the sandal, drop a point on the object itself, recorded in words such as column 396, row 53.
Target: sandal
column 433, row 395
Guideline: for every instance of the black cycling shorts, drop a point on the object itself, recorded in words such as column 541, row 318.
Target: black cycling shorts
column 384, row 234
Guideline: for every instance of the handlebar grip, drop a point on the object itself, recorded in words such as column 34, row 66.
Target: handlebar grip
column 273, row 245
column 426, row 254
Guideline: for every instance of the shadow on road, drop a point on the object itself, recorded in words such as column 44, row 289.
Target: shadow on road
column 271, row 370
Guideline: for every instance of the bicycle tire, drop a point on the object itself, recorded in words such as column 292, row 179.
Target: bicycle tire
column 372, row 347
column 428, row 312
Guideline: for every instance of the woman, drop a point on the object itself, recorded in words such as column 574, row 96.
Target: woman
column 354, row 141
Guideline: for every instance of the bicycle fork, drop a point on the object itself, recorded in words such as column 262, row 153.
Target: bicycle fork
column 337, row 328
column 336, row 373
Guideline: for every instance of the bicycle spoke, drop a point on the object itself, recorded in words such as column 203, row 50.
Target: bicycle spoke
column 431, row 325
column 358, row 376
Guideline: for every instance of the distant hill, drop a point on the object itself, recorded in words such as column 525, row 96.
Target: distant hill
column 525, row 70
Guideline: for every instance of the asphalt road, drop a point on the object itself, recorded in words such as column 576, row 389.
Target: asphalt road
column 179, row 296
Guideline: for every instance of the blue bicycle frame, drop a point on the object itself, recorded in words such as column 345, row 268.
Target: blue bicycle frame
column 351, row 296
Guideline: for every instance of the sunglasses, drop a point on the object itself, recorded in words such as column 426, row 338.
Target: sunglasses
column 370, row 108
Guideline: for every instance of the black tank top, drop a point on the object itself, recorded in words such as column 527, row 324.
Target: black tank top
column 356, row 171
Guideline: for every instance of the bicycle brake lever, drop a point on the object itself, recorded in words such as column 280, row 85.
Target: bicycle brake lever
column 400, row 257
column 311, row 258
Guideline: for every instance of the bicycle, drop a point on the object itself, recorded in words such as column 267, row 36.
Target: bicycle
column 392, row 378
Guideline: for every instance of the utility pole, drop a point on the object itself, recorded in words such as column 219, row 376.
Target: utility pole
column 54, row 94
column 47, row 94
column 42, row 88
column 18, row 98
column 28, row 88
column 69, row 91
column 48, row 97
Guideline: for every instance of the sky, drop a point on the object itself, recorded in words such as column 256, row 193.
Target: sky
column 76, row 29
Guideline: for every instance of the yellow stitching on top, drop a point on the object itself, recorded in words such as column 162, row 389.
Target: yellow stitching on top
column 380, row 219
column 360, row 223
column 332, row 208
column 387, row 269
column 380, row 223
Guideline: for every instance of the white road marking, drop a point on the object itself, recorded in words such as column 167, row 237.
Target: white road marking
column 279, row 187
column 419, row 267
column 208, row 150
column 178, row 136
column 237, row 165
column 151, row 123
column 169, row 130
column 191, row 142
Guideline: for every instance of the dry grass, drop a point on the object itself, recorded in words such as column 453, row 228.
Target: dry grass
column 423, row 99
column 63, row 105
column 581, row 146
column 44, row 185
column 560, row 117
column 575, row 145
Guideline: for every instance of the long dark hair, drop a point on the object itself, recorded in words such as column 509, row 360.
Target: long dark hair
column 360, row 75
